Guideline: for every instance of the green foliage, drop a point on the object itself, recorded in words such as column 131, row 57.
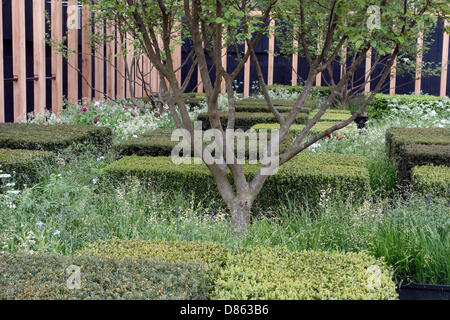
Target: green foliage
column 212, row 256
column 43, row 277
column 382, row 104
column 265, row 108
column 51, row 138
column 303, row 178
column 153, row 143
column 409, row 147
column 430, row 179
column 158, row 143
column 263, row 273
column 66, row 199
column 315, row 91
column 23, row 165
column 297, row 128
column 245, row 120
column 333, row 115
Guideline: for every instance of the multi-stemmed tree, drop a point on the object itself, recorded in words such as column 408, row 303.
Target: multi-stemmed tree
column 322, row 28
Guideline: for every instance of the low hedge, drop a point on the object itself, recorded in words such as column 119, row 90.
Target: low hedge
column 50, row 137
column 276, row 273
column 265, row 108
column 379, row 106
column 430, row 179
column 245, row 120
column 212, row 256
column 153, row 143
column 409, row 147
column 295, row 129
column 302, row 179
column 275, row 102
column 264, row 273
column 158, row 143
column 44, row 277
column 23, row 165
column 333, row 115
column 397, row 137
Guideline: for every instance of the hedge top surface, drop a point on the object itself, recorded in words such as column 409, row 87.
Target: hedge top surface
column 277, row 273
column 333, row 115
column 304, row 163
column 275, row 102
column 212, row 255
column 432, row 175
column 15, row 156
column 48, row 137
column 253, row 115
column 419, row 135
column 265, row 273
column 44, row 277
column 297, row 128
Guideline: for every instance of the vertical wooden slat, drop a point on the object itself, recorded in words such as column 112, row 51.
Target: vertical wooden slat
column 368, row 71
column 344, row 61
column 139, row 72
column 223, row 87
column 419, row 57
column 177, row 57
column 393, row 79
column 57, row 71
column 86, row 56
column 246, row 75
column 154, row 83
column 445, row 44
column 110, row 64
column 19, row 59
column 39, row 56
column 120, row 68
column 99, row 66
column 72, row 46
column 2, row 88
column 199, row 81
column 319, row 75
column 271, row 53
column 130, row 76
column 294, row 75
column 146, row 75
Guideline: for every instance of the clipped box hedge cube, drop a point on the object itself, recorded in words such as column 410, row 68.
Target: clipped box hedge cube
column 409, row 147
column 23, row 165
column 430, row 179
column 264, row 273
column 44, row 277
column 50, row 137
column 245, row 120
column 302, row 179
column 295, row 129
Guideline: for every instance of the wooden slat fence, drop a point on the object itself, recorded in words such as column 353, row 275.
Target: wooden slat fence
column 103, row 72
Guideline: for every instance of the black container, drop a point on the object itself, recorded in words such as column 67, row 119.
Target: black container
column 417, row 291
column 361, row 120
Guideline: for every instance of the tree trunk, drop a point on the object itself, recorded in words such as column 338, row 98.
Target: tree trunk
column 240, row 217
